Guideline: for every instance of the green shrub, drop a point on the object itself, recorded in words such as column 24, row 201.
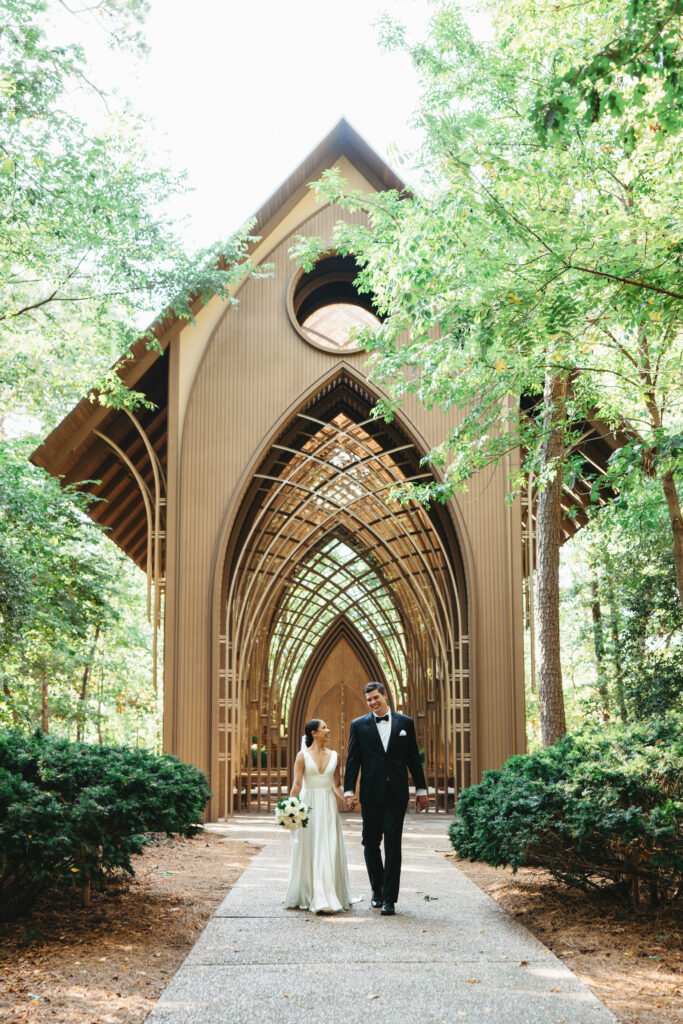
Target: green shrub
column 601, row 805
column 77, row 812
column 254, row 756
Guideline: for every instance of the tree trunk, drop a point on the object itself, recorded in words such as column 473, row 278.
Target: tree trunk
column 616, row 642
column 599, row 646
column 8, row 694
column 668, row 481
column 548, row 524
column 100, row 688
column 674, row 505
column 44, row 708
column 80, row 724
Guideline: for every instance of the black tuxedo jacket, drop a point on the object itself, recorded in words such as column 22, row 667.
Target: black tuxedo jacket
column 382, row 772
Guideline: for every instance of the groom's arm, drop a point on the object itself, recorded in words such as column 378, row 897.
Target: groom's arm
column 352, row 763
column 416, row 769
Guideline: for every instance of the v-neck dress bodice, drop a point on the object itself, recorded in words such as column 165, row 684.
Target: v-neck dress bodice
column 316, row 779
column 318, row 872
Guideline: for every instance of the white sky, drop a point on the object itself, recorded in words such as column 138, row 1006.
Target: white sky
column 240, row 92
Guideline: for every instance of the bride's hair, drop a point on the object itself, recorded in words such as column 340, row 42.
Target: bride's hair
column 310, row 728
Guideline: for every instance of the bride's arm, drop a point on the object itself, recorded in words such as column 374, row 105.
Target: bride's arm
column 298, row 775
column 336, row 784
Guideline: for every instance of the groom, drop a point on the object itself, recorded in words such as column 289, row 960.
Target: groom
column 381, row 745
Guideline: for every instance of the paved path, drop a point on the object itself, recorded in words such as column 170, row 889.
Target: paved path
column 450, row 954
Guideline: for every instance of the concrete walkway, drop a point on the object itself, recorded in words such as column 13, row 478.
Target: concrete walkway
column 450, row 954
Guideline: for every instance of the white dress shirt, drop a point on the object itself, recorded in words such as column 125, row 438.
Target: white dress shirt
column 384, row 730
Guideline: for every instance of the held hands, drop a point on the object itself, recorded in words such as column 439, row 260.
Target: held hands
column 350, row 802
column 421, row 803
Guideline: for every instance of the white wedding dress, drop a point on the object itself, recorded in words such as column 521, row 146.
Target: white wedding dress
column 318, row 873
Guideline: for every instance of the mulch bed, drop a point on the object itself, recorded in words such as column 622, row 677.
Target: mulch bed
column 633, row 961
column 108, row 963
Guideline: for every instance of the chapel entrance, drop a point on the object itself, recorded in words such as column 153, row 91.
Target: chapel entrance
column 337, row 694
column 331, row 686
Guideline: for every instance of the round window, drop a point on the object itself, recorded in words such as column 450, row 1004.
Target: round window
column 324, row 305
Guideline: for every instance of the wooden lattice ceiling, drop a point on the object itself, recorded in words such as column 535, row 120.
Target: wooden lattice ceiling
column 324, row 539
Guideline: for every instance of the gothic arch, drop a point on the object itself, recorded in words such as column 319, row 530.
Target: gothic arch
column 318, row 493
column 340, row 628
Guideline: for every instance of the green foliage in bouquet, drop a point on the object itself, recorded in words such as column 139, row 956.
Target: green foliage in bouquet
column 75, row 813
column 292, row 813
column 604, row 805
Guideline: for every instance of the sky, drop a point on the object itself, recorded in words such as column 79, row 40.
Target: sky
column 240, row 92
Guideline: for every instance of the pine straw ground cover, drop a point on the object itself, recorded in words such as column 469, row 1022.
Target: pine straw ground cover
column 108, row 963
column 633, row 962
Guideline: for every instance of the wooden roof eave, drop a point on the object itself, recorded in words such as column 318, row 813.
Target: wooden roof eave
column 87, row 416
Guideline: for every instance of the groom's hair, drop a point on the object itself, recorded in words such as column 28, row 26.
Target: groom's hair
column 374, row 686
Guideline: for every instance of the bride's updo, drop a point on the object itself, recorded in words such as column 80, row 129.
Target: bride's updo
column 310, row 728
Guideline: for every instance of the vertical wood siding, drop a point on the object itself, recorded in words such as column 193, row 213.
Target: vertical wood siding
column 255, row 367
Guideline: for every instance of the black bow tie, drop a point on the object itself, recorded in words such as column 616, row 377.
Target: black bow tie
column 384, row 718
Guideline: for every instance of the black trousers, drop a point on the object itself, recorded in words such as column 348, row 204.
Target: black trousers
column 384, row 820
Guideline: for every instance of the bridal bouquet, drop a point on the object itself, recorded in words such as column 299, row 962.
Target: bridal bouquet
column 292, row 813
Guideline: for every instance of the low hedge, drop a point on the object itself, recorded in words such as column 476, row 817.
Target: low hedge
column 76, row 813
column 603, row 805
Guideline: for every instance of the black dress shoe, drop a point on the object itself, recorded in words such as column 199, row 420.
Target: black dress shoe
column 387, row 909
column 376, row 902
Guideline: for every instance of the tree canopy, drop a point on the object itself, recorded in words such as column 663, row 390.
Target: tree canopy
column 87, row 254
column 539, row 260
column 87, row 257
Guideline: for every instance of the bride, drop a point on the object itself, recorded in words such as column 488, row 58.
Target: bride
column 318, row 874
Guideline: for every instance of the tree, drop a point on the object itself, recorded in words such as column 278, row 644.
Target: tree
column 54, row 591
column 623, row 566
column 85, row 254
column 75, row 646
column 623, row 69
column 630, row 54
column 526, row 265
column 85, row 250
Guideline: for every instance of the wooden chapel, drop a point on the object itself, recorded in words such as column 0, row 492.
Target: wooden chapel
column 255, row 497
